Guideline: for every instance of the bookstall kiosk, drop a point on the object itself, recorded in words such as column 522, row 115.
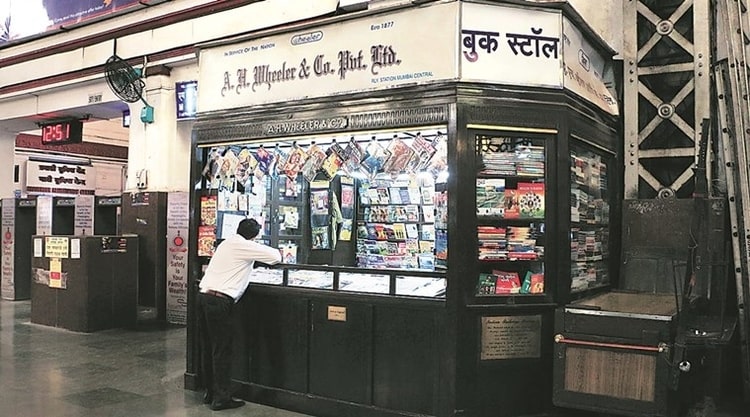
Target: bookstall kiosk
column 433, row 205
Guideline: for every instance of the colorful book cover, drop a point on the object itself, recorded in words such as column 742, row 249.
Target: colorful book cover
column 395, row 195
column 426, row 246
column 507, row 282
column 486, row 284
column 511, row 211
column 441, row 245
column 428, row 214
column 531, row 200
column 399, row 231
column 209, row 205
column 427, row 232
column 206, row 240
column 401, row 156
column 289, row 254
column 426, row 261
column 412, row 213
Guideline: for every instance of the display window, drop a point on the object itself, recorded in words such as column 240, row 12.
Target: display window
column 351, row 213
column 510, row 212
column 589, row 219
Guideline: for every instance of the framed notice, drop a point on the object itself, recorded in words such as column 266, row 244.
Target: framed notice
column 510, row 337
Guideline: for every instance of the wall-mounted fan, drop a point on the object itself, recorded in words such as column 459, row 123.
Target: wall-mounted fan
column 127, row 84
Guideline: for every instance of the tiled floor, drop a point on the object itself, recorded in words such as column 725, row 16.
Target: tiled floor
column 48, row 372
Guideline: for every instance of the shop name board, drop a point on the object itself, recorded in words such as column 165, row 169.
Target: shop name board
column 350, row 56
column 266, row 75
column 305, row 126
column 530, row 45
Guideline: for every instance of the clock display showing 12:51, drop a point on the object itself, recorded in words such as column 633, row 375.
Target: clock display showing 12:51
column 60, row 132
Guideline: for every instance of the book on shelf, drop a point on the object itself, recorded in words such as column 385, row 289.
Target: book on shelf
column 412, row 231
column 490, row 196
column 486, row 284
column 426, row 246
column 399, row 231
column 395, row 195
column 511, row 209
column 531, row 200
column 405, row 197
column 426, row 232
column 533, row 283
column 428, row 214
column 507, row 282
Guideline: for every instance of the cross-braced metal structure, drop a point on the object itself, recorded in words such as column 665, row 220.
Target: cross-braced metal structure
column 666, row 46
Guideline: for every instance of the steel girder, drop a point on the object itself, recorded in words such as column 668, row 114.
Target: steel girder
column 666, row 54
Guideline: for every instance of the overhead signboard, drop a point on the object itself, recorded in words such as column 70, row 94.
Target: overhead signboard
column 59, row 179
column 511, row 45
column 24, row 18
column 383, row 51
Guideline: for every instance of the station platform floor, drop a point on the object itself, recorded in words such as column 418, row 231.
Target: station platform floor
column 49, row 372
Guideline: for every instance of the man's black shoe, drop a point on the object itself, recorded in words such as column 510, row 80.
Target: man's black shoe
column 208, row 398
column 226, row 405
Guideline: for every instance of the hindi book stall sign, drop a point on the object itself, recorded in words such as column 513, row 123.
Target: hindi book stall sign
column 510, row 45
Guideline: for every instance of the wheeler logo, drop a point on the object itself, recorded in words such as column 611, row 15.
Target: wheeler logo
column 304, row 38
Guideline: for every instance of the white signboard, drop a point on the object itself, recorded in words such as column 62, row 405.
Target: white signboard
column 59, row 179
column 411, row 46
column 8, row 287
column 178, row 226
column 44, row 215
column 583, row 69
column 84, row 215
column 511, row 45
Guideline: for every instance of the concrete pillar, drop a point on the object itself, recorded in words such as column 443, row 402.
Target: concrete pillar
column 7, row 163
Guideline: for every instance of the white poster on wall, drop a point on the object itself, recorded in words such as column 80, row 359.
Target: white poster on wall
column 44, row 215
column 510, row 45
column 411, row 46
column 84, row 215
column 8, row 286
column 584, row 69
column 178, row 226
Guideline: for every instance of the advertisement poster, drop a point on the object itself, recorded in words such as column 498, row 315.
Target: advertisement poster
column 8, row 288
column 178, row 226
column 24, row 18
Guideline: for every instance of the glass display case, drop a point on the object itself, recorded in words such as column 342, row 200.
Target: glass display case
column 510, row 215
column 589, row 220
column 347, row 214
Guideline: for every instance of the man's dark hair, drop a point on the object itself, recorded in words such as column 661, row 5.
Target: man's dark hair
column 248, row 228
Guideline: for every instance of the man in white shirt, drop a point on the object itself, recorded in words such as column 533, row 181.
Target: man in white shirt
column 225, row 280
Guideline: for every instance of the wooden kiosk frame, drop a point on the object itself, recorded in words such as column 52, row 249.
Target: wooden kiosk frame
column 330, row 352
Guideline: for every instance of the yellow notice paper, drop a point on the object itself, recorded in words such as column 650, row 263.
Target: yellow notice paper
column 55, row 273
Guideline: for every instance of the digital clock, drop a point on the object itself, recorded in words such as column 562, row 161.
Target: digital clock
column 60, row 132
